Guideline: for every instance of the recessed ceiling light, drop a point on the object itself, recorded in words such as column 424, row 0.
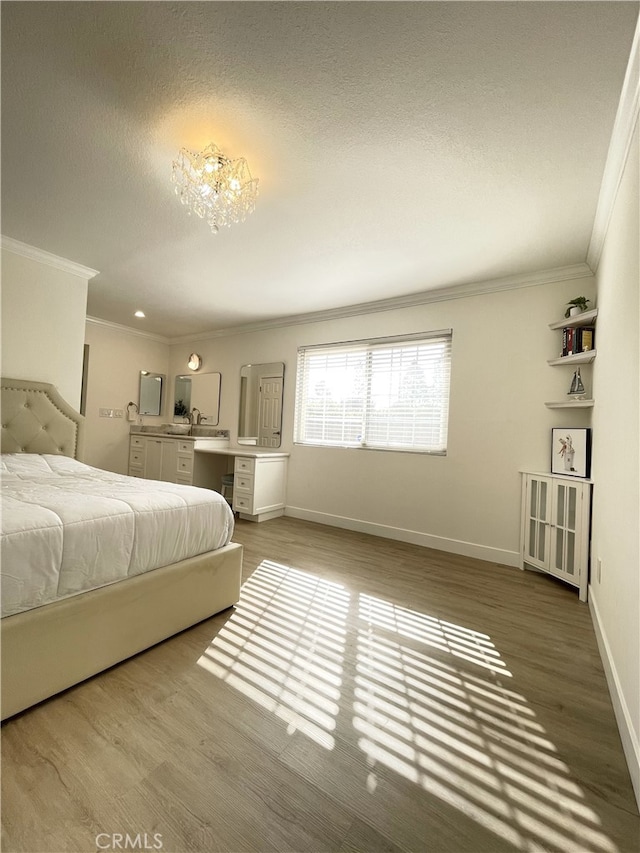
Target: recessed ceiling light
column 139, row 314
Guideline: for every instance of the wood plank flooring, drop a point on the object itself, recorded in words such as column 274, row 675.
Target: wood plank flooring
column 365, row 695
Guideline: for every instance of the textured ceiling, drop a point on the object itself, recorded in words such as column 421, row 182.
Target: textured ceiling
column 400, row 147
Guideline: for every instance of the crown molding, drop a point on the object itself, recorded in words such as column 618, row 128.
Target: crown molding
column 423, row 298
column 47, row 258
column 619, row 147
column 128, row 330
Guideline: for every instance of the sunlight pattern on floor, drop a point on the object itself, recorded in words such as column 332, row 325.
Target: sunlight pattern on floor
column 459, row 733
column 430, row 701
column 283, row 647
column 460, row 642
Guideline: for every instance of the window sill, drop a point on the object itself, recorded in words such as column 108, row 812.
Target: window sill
column 415, row 450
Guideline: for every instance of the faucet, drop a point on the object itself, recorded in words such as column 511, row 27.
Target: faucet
column 195, row 419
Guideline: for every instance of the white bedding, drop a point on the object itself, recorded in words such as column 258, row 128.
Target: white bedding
column 68, row 528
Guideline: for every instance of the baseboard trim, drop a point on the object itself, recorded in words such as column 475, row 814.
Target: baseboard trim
column 413, row 537
column 628, row 736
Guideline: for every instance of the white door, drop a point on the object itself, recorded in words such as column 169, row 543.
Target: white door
column 270, row 411
column 536, row 522
column 153, row 459
column 169, row 466
column 565, row 544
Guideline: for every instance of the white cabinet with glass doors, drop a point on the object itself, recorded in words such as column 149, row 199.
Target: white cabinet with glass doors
column 555, row 527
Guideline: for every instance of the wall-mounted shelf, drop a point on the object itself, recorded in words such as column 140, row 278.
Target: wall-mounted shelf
column 571, row 404
column 577, row 358
column 587, row 318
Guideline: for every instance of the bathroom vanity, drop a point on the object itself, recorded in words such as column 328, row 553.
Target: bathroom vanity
column 260, row 476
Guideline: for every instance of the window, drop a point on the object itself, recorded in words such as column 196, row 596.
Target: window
column 385, row 393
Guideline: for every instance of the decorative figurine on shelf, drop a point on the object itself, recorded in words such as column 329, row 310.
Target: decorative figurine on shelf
column 576, row 388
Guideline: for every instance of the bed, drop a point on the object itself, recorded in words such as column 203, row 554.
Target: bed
column 121, row 565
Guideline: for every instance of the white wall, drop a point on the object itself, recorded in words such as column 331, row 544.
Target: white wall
column 468, row 501
column 43, row 313
column 116, row 358
column 615, row 600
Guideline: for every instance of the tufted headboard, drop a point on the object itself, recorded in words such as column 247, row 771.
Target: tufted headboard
column 36, row 419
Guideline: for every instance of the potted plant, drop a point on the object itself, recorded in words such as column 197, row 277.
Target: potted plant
column 576, row 306
column 180, row 410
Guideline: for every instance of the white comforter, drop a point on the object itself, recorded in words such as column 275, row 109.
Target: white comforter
column 68, row 528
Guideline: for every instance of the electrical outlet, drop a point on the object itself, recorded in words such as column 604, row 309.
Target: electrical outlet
column 106, row 413
column 118, row 413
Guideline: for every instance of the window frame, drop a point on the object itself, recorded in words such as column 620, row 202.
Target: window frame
column 366, row 347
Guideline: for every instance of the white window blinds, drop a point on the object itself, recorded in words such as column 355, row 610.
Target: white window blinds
column 386, row 393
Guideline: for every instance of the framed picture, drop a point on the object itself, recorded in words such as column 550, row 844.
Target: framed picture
column 571, row 451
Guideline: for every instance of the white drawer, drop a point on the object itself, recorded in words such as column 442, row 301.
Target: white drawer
column 137, row 441
column 185, row 465
column 136, row 472
column 183, row 479
column 185, row 447
column 136, row 457
column 243, row 482
column 244, row 464
column 242, row 503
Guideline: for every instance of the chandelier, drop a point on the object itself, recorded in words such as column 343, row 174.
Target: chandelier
column 214, row 187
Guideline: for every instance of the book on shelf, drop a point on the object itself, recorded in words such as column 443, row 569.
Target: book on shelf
column 587, row 338
column 579, row 339
column 567, row 341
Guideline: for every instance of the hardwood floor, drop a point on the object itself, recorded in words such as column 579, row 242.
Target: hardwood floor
column 365, row 695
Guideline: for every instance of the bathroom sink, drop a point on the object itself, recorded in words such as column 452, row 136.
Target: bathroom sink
column 179, row 429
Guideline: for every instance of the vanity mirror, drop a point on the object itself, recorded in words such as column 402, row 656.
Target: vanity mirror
column 151, row 388
column 199, row 391
column 260, row 420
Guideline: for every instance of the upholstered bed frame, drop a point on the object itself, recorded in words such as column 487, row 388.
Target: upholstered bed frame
column 55, row 646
